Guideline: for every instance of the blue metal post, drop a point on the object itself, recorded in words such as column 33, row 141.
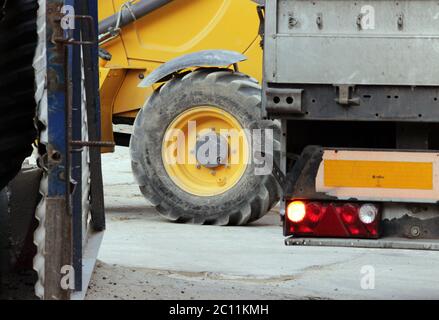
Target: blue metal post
column 58, row 241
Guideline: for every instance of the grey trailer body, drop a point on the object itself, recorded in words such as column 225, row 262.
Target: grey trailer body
column 352, row 60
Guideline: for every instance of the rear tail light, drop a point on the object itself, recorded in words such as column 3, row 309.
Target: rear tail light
column 296, row 211
column 368, row 213
column 334, row 219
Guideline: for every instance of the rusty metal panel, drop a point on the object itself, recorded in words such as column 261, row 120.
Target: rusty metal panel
column 58, row 247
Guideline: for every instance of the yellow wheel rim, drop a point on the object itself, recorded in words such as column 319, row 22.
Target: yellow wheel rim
column 179, row 151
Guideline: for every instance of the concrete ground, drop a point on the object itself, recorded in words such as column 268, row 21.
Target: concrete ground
column 146, row 257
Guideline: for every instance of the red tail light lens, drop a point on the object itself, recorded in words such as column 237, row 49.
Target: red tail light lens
column 333, row 219
column 314, row 212
column 349, row 213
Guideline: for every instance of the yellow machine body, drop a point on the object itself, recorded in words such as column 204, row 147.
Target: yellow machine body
column 178, row 28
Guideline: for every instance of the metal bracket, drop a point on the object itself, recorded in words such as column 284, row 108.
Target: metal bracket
column 261, row 15
column 344, row 95
column 276, row 171
column 97, row 144
column 281, row 100
column 280, row 177
column 70, row 40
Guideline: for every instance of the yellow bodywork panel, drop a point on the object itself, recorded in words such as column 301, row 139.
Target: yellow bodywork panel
column 253, row 65
column 178, row 28
column 109, row 84
column 378, row 174
column 130, row 97
column 182, row 27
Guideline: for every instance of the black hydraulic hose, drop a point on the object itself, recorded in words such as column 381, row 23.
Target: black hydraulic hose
column 136, row 11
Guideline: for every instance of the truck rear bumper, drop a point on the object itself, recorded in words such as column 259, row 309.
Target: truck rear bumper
column 383, row 243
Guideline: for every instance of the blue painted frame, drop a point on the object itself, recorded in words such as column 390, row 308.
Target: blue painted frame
column 57, row 99
column 64, row 65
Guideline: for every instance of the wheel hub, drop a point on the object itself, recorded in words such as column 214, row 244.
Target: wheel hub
column 205, row 151
column 212, row 150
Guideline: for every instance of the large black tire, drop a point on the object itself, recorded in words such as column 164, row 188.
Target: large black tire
column 18, row 40
column 250, row 199
column 5, row 234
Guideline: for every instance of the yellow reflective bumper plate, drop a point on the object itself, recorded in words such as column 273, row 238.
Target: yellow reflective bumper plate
column 376, row 175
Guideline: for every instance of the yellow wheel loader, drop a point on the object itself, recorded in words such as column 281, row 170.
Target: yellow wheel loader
column 191, row 67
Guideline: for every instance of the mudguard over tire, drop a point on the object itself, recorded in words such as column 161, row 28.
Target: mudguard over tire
column 18, row 40
column 237, row 94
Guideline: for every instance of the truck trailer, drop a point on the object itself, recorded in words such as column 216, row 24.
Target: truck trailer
column 355, row 86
